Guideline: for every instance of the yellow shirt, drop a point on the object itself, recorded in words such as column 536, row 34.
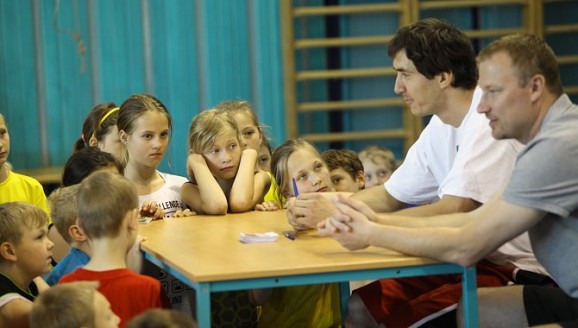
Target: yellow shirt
column 21, row 188
column 310, row 306
column 272, row 194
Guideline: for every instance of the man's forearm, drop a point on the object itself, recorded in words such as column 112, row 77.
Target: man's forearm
column 379, row 200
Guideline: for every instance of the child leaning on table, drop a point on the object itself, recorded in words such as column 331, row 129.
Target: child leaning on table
column 25, row 254
column 75, row 304
column 108, row 213
column 300, row 306
column 222, row 173
column 253, row 137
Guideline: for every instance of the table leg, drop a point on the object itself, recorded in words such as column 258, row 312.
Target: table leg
column 344, row 293
column 203, row 293
column 470, row 297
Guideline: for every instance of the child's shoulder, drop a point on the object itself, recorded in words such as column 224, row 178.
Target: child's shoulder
column 21, row 181
column 9, row 291
column 172, row 178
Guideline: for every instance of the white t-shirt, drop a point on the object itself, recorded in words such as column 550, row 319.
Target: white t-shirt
column 167, row 197
column 465, row 162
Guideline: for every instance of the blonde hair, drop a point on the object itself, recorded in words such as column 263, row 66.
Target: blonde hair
column 104, row 198
column 279, row 160
column 207, row 126
column 16, row 217
column 63, row 211
column 65, row 305
column 530, row 55
column 379, row 156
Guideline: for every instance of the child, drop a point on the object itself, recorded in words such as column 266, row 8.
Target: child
column 145, row 127
column 265, row 153
column 76, row 304
column 223, row 176
column 108, row 215
column 253, row 137
column 87, row 160
column 162, row 318
column 25, row 254
column 63, row 211
column 13, row 186
column 16, row 187
column 378, row 164
column 345, row 169
column 303, row 306
column 99, row 130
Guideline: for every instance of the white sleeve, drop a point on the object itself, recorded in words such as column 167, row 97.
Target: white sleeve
column 416, row 180
column 482, row 165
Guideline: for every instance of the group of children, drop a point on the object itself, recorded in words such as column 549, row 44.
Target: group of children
column 111, row 183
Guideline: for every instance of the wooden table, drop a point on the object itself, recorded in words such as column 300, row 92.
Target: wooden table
column 205, row 253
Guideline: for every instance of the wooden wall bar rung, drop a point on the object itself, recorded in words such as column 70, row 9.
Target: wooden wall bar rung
column 493, row 32
column 570, row 59
column 349, row 104
column 347, row 9
column 467, row 3
column 344, row 73
column 566, row 28
column 348, row 136
column 571, row 89
column 342, row 42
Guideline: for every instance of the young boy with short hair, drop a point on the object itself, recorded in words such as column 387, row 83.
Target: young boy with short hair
column 63, row 211
column 378, row 165
column 76, row 304
column 345, row 169
column 108, row 212
column 25, row 254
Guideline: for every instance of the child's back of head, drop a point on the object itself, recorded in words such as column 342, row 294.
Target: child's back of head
column 87, row 160
column 74, row 304
column 104, row 198
column 63, row 210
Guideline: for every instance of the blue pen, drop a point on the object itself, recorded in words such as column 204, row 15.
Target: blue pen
column 295, row 188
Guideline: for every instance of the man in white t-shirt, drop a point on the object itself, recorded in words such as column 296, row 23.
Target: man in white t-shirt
column 454, row 166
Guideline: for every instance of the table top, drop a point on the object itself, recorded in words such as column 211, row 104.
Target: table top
column 207, row 248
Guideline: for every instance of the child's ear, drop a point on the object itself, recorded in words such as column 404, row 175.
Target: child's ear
column 7, row 251
column 92, row 142
column 131, row 220
column 360, row 179
column 76, row 232
column 123, row 136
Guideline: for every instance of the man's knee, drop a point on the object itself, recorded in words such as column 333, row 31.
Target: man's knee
column 357, row 314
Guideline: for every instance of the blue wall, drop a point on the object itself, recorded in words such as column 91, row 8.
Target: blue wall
column 60, row 58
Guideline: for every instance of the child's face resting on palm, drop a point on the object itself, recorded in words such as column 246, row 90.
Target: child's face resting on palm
column 309, row 171
column 224, row 156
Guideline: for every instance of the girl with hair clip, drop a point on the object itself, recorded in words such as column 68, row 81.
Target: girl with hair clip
column 145, row 127
column 253, row 137
column 99, row 130
column 224, row 176
column 298, row 167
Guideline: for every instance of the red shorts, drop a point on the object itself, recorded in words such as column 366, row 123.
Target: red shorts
column 402, row 302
